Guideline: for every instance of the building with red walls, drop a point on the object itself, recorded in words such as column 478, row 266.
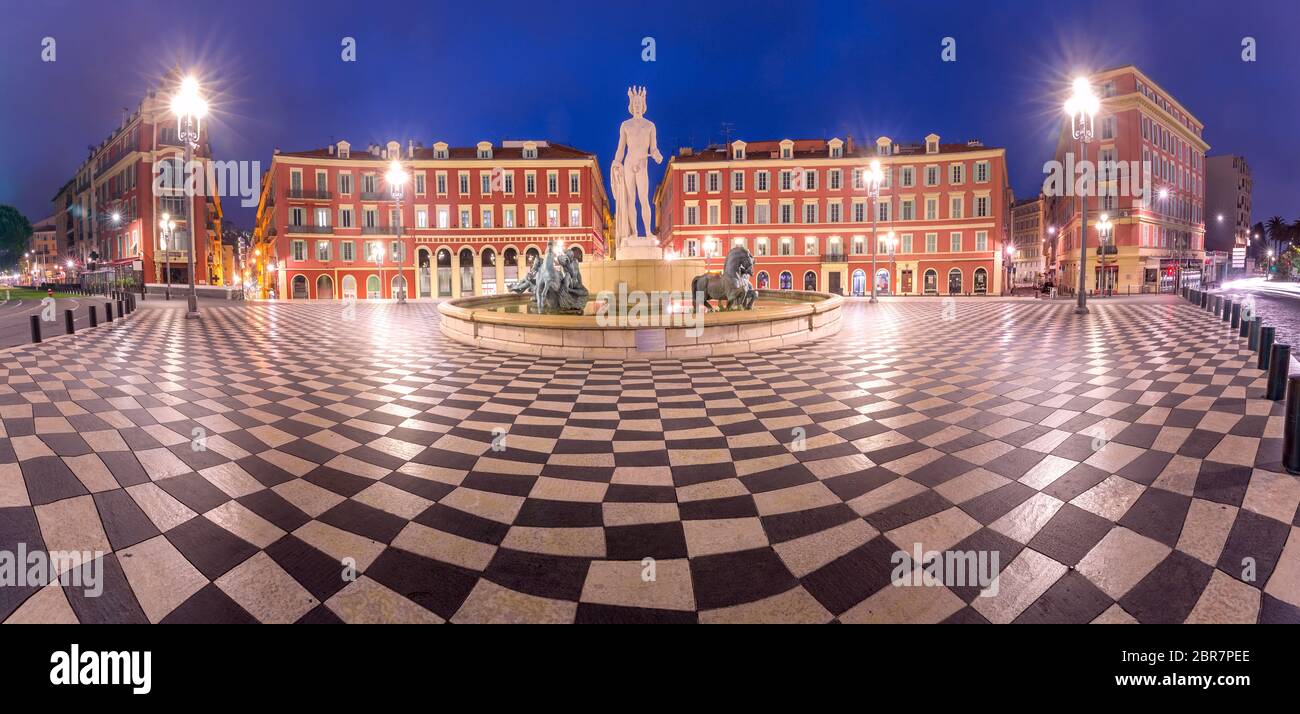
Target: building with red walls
column 117, row 179
column 1139, row 123
column 801, row 207
column 472, row 218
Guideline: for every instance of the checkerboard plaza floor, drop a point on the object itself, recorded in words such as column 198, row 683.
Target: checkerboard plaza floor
column 323, row 463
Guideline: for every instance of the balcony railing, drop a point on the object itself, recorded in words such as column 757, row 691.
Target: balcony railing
column 376, row 196
column 309, row 229
column 834, row 258
column 303, row 193
column 379, row 230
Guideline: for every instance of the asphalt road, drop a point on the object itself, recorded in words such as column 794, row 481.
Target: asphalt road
column 15, row 317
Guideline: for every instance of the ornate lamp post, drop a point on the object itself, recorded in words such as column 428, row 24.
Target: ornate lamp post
column 396, row 179
column 1082, row 107
column 873, row 176
column 167, row 225
column 1010, row 289
column 189, row 108
column 1104, row 233
column 889, row 246
column 379, row 264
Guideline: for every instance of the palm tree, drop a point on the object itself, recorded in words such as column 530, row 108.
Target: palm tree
column 1279, row 232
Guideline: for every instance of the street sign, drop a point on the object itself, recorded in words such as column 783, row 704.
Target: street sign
column 1239, row 257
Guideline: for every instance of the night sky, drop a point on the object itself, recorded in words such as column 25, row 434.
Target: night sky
column 465, row 72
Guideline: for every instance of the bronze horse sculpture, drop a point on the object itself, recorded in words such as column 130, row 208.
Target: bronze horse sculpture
column 730, row 285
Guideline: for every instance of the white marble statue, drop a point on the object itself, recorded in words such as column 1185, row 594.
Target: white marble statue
column 630, row 177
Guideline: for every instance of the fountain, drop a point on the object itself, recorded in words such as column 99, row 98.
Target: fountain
column 646, row 306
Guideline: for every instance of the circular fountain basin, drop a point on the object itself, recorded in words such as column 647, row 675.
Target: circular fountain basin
column 780, row 318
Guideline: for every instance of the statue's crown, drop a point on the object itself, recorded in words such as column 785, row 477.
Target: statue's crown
column 635, row 92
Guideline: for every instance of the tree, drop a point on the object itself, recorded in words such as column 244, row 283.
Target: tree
column 15, row 230
column 1279, row 232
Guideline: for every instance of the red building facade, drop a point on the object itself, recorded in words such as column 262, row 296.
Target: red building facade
column 472, row 219
column 802, row 208
column 108, row 214
column 1158, row 228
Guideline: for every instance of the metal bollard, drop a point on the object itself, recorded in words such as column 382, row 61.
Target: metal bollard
column 94, row 321
column 108, row 312
column 1227, row 310
column 68, row 322
column 1253, row 337
column 1279, row 369
column 36, row 328
column 1218, row 305
column 120, row 311
column 1236, row 315
column 1290, row 444
column 1265, row 346
column 1245, row 327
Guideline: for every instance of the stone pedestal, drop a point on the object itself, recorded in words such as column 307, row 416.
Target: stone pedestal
column 644, row 275
column 639, row 248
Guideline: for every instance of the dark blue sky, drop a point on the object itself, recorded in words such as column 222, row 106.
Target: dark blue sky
column 463, row 72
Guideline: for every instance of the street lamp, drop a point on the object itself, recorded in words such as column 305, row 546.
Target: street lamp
column 396, row 179
column 190, row 108
column 873, row 176
column 1011, row 251
column 379, row 264
column 167, row 225
column 1103, row 239
column 1082, row 107
column 889, row 246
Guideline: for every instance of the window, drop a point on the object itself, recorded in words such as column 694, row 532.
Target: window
column 787, row 213
column 531, row 217
column 810, row 180
column 692, row 183
column 1108, row 127
column 462, row 183
column 348, row 251
column 932, row 176
column 573, row 182
column 882, row 210
column 957, row 173
column 552, row 183
column 785, row 181
column 508, row 182
column 955, row 207
column 786, row 247
column 833, row 213
column 981, row 172
column 369, row 218
column 954, row 242
column 715, row 182
column 299, row 248
column 810, row 213
column 509, row 218
column 486, row 218
column 421, row 217
column 419, row 184
column 345, row 218
column 738, row 213
column 908, row 176
column 760, row 180
column 833, row 177
column 464, row 218
column 322, row 250
column 859, row 212
column 485, row 183
column 552, row 217
column 444, row 217
column 810, row 245
column 981, row 240
column 442, row 184
column 907, row 209
column 760, row 246
column 530, row 183
column 932, row 242
column 398, row 250
column 322, row 182
column 737, row 180
column 575, row 217
column 907, row 243
column 982, row 206
column 323, row 217
column 692, row 215
column 761, row 213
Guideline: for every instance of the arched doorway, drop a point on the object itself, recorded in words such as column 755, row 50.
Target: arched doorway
column 786, row 280
column 398, row 286
column 859, row 282
column 530, row 257
column 510, row 267
column 372, row 288
column 488, row 261
column 424, row 271
column 299, row 288
column 349, row 287
column 930, row 282
column 465, row 260
column 444, row 272
column 954, row 281
column 325, row 288
column 981, row 281
column 882, row 282
column 762, row 280
column 810, row 280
